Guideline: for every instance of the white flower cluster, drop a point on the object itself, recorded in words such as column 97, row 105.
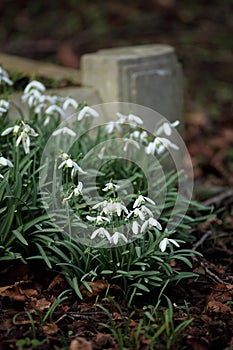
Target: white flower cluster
column 23, row 131
column 46, row 105
column 4, row 77
column 137, row 138
column 106, row 212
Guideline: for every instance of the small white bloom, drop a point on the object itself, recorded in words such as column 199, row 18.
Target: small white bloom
column 134, row 120
column 151, row 222
column 34, row 85
column 165, row 241
column 116, row 236
column 4, row 162
column 68, row 162
column 76, row 192
column 70, row 102
column 100, row 204
column 87, row 112
column 110, row 186
column 102, row 233
column 98, row 219
column 141, row 136
column 64, row 131
column 135, row 227
column 110, row 207
column 13, row 129
column 141, row 200
column 1, row 176
column 4, row 77
column 167, row 127
column 54, row 109
column 4, row 106
column 128, row 142
column 112, row 125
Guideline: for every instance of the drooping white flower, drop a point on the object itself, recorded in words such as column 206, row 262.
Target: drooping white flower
column 129, row 141
column 112, row 125
column 87, row 112
column 131, row 119
column 54, row 109
column 116, row 236
column 100, row 204
column 167, row 127
column 70, row 102
column 141, row 200
column 34, row 85
column 4, row 77
column 159, row 145
column 64, row 131
column 112, row 207
column 110, row 186
column 151, row 222
column 135, row 227
column 25, row 137
column 141, row 136
column 76, row 192
column 140, row 212
column 99, row 219
column 4, row 106
column 68, row 162
column 14, row 129
column 101, row 232
column 165, row 241
column 5, row 162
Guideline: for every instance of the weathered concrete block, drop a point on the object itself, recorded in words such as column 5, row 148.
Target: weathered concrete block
column 149, row 75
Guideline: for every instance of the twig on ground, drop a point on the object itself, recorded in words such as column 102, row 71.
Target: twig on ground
column 218, row 198
column 202, row 240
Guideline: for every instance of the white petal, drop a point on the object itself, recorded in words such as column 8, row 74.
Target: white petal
column 144, row 226
column 173, row 242
column 7, row 131
column 163, row 244
column 135, row 227
column 70, row 102
column 34, row 85
column 167, row 129
column 95, row 233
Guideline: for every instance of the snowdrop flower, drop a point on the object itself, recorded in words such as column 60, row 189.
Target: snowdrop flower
column 117, row 235
column 141, row 136
column 87, row 112
column 34, row 85
column 68, row 162
column 141, row 200
column 102, row 233
column 24, row 137
column 1, row 176
column 76, row 192
column 54, row 109
column 110, row 187
column 64, row 131
column 135, row 227
column 132, row 142
column 70, row 102
column 13, row 129
column 151, row 222
column 4, row 77
column 4, row 162
column 4, row 106
column 140, row 212
column 112, row 125
column 100, row 204
column 166, row 128
column 111, row 207
column 165, row 241
column 132, row 119
column 159, row 145
column 98, row 219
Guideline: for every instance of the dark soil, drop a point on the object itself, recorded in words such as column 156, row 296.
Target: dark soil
column 201, row 34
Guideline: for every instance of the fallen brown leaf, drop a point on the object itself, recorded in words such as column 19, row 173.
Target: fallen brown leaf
column 42, row 304
column 80, row 344
column 217, row 306
column 97, row 288
column 50, row 328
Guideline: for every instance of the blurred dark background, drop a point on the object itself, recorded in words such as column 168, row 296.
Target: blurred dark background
column 61, row 31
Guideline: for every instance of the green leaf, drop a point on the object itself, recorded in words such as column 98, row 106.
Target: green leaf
column 20, row 237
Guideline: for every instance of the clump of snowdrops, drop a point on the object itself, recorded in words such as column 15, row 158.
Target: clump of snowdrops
column 140, row 248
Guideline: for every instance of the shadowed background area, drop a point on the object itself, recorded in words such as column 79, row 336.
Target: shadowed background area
column 200, row 31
